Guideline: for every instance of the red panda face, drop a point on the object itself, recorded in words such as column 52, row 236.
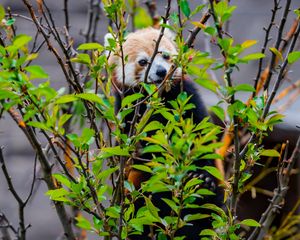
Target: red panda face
column 139, row 47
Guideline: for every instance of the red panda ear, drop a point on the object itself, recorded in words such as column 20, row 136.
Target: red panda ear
column 106, row 39
column 168, row 32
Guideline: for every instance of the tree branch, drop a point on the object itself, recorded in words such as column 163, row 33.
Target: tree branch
column 280, row 192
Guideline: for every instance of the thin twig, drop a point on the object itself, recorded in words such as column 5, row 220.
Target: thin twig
column 266, row 41
column 46, row 168
column 279, row 195
column 21, row 204
column 277, row 44
column 157, row 43
column 4, row 226
column 281, row 73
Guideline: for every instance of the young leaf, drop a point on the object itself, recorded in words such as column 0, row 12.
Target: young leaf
column 152, row 209
column 253, row 56
column 36, row 71
column 213, row 171
column 154, row 125
column 293, row 57
column 248, row 43
column 131, row 98
column 153, row 149
column 244, row 88
column 82, row 58
column 57, row 194
column 142, row 18
column 91, row 46
column 2, row 13
column 276, row 52
column 62, row 179
column 114, row 151
column 91, row 97
column 185, row 8
column 208, row 232
column 270, row 153
column 21, row 40
column 219, row 112
column 250, row 223
column 39, row 125
column 143, row 168
column 66, row 99
column 83, row 223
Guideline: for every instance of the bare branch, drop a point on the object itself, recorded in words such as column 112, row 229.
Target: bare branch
column 21, row 204
column 46, row 168
column 281, row 72
column 280, row 192
column 4, row 226
column 266, row 40
column 277, row 44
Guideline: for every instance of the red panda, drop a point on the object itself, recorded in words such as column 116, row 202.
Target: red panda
column 138, row 49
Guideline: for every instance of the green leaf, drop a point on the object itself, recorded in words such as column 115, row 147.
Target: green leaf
column 114, row 151
column 57, row 194
column 66, row 99
column 171, row 204
column 2, row 12
column 219, row 112
column 185, row 8
column 63, row 119
column 215, row 208
column 143, row 168
column 276, row 52
column 253, row 56
column 293, row 57
column 248, row 43
column 87, row 136
column 83, row 223
column 244, row 88
column 214, row 172
column 142, row 18
column 152, row 209
column 270, row 153
column 208, row 232
column 7, row 94
column 153, row 149
column 210, row 30
column 21, row 40
column 131, row 98
column 208, row 84
column 36, row 71
column 62, row 179
column 113, row 212
column 250, row 223
column 154, row 125
column 82, row 58
column 10, row 21
column 103, row 175
column 197, row 216
column 91, row 97
column 91, row 46
column 39, row 125
column 225, row 43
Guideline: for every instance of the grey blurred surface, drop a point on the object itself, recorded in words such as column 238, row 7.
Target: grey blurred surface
column 247, row 23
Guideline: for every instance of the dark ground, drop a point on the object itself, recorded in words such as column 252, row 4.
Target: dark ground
column 247, row 23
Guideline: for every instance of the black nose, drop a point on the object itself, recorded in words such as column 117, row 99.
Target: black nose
column 161, row 72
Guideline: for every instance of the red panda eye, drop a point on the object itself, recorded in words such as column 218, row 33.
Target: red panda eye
column 166, row 56
column 143, row 62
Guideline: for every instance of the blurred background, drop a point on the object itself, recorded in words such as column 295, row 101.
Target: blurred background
column 247, row 22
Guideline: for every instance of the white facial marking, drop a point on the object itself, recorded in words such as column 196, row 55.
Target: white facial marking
column 129, row 74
